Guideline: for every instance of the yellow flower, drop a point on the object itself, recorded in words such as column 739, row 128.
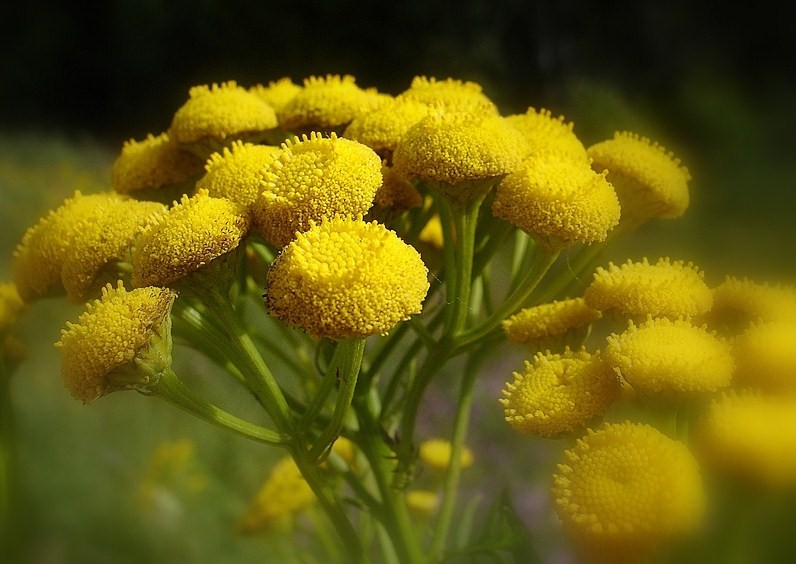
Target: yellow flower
column 346, row 278
column 449, row 94
column 545, row 134
column 122, row 342
column 661, row 355
column 650, row 182
column 215, row 115
column 549, row 320
column 284, row 493
column 327, row 104
column 396, row 192
column 625, row 490
column 558, row 393
column 766, row 356
column 153, row 164
column 11, row 305
column 314, row 178
column 277, row 94
column 665, row 289
column 454, row 148
column 193, row 233
column 170, row 475
column 755, row 300
column 38, row 259
column 383, row 128
column 751, row 437
column 557, row 200
column 422, row 503
column 432, row 232
column 236, row 172
column 436, row 454
column 104, row 239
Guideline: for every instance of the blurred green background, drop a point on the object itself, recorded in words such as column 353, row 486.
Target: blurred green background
column 718, row 88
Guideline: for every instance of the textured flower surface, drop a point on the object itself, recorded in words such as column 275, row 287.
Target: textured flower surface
column 277, row 93
column 236, row 172
column 766, row 356
column 346, row 278
column 314, row 178
column 156, row 162
column 650, row 182
column 449, row 94
column 545, row 134
column 188, row 236
column 436, row 454
column 662, row 355
column 625, row 489
column 383, row 128
column 110, row 336
column 557, row 393
column 558, row 200
column 548, row 320
column 664, row 289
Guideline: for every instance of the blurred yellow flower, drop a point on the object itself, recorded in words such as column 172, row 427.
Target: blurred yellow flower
column 558, row 200
column 422, row 503
column 345, row 278
column 396, row 192
column 549, row 320
column 103, row 352
column 436, row 454
column 664, row 289
column 277, row 94
column 449, row 95
column 662, row 355
column 432, row 232
column 545, row 134
column 11, row 305
column 190, row 235
column 755, row 300
column 236, row 172
column 314, row 178
column 625, row 490
column 558, row 393
column 383, row 128
column 766, row 356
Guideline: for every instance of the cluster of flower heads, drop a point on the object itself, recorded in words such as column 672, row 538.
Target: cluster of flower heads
column 627, row 488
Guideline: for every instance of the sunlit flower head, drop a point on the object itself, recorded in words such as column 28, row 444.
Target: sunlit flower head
column 454, row 148
column 236, row 172
column 218, row 114
column 193, row 233
column 396, row 192
column 118, row 334
column 751, row 437
column 625, row 490
column 436, row 454
column 314, row 178
column 558, row 200
column 545, row 134
column 11, row 304
column 753, row 300
column 327, row 103
column 449, row 94
column 766, row 356
column 662, row 355
column 558, row 393
column 39, row 258
column 105, row 239
column 664, row 289
column 383, row 128
column 284, row 493
column 549, row 320
column 650, row 181
column 278, row 93
column 345, row 278
column 155, row 163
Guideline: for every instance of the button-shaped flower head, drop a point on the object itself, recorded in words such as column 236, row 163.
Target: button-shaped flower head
column 753, row 300
column 549, row 320
column 436, row 454
column 194, row 233
column 558, row 200
column 766, row 356
column 153, row 164
column 650, row 181
column 545, row 134
column 625, row 490
column 327, row 104
column 449, row 94
column 314, row 178
column 383, row 128
column 278, row 93
column 663, row 289
column 216, row 115
column 345, row 278
column 236, row 172
column 558, row 393
column 122, row 342
column 663, row 356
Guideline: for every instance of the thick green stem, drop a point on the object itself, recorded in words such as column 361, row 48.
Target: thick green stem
column 9, row 509
column 465, row 220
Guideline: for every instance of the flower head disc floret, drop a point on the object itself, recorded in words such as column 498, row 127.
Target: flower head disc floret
column 766, row 356
column 449, row 94
column 545, row 134
column 236, row 172
column 100, row 352
column 277, row 94
column 436, row 454
column 345, row 278
column 558, row 200
column 190, row 235
column 626, row 489
column 754, row 300
column 154, row 163
column 557, row 393
column 549, row 320
column 663, row 289
column 314, row 178
column 383, row 128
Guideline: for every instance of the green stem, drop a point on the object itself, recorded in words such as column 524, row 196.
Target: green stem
column 9, row 507
column 465, row 220
column 327, row 385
